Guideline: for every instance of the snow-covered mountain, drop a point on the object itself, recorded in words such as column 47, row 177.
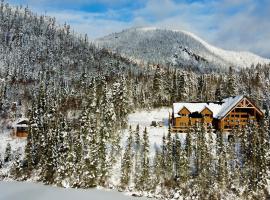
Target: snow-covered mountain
column 172, row 46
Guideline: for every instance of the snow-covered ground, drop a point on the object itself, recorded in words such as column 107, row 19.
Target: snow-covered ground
column 145, row 118
column 35, row 191
column 17, row 144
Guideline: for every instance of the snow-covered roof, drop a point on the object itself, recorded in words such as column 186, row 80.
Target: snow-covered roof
column 219, row 109
column 228, row 104
column 21, row 122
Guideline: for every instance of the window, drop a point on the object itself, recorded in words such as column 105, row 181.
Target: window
column 182, row 124
column 22, row 129
column 183, row 115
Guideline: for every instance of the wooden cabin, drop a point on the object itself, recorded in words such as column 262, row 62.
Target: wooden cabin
column 224, row 116
column 20, row 128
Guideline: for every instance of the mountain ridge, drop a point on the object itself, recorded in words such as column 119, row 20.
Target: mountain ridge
column 180, row 48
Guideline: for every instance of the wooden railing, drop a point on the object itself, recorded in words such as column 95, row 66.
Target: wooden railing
column 179, row 129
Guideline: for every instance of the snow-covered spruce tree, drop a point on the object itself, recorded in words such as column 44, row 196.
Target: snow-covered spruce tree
column 49, row 159
column 126, row 164
column 174, row 88
column 255, row 159
column 91, row 159
column 69, row 170
column 204, row 162
column 137, row 158
column 196, row 149
column 137, row 139
column 145, row 164
column 42, row 126
column 29, row 152
column 219, row 92
column 16, row 170
column 65, row 165
column 184, row 173
column 183, row 87
column 233, row 164
column 257, row 93
column 83, row 149
column 263, row 160
column 252, row 169
column 249, row 166
column 157, row 86
column 169, row 158
column 188, row 143
column 163, row 157
column 222, row 170
column 157, row 178
column 167, row 79
column 105, row 134
column 121, row 102
column 176, row 144
column 212, row 163
column 8, row 155
column 264, row 140
column 78, row 162
column 231, row 88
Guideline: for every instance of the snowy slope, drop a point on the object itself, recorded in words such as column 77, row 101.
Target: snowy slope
column 178, row 47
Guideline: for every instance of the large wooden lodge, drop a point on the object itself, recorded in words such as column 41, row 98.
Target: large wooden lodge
column 230, row 113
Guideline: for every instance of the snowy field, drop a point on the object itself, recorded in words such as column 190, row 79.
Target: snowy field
column 35, row 191
column 145, row 118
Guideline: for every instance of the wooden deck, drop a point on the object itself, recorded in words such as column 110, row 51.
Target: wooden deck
column 182, row 129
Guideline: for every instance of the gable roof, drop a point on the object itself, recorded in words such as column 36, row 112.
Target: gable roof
column 21, row 122
column 206, row 108
column 228, row 104
column 219, row 109
column 184, row 107
column 196, row 107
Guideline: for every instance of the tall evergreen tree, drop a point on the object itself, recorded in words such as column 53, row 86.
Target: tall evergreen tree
column 145, row 163
column 231, row 83
column 7, row 155
column 126, row 164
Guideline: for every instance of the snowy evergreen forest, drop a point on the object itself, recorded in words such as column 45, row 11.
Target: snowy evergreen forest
column 78, row 97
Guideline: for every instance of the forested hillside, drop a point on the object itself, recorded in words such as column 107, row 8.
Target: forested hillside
column 179, row 48
column 78, row 97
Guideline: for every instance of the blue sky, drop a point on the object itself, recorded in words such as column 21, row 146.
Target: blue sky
column 230, row 24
